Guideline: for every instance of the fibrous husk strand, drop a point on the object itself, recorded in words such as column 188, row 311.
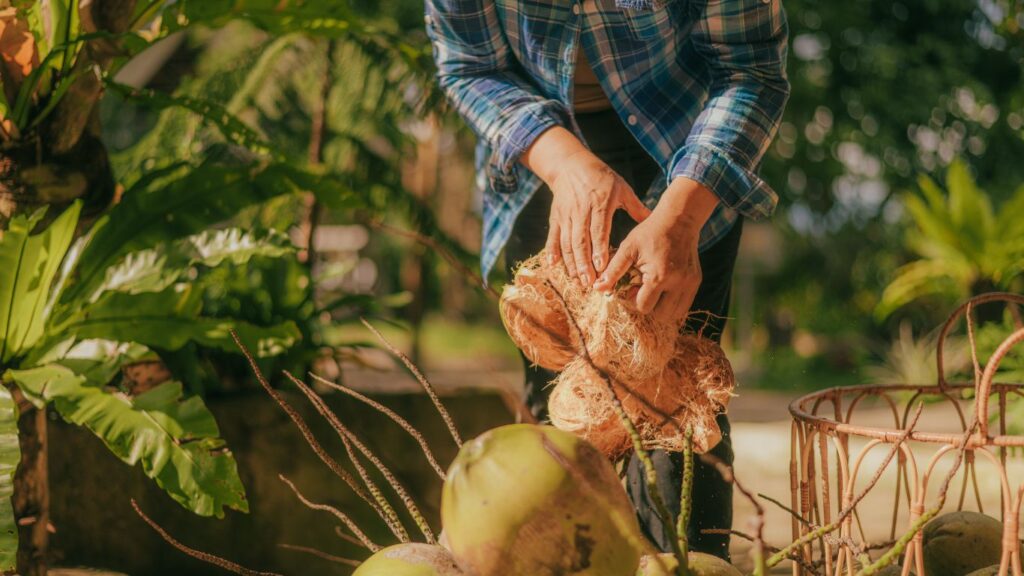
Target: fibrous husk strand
column 534, row 317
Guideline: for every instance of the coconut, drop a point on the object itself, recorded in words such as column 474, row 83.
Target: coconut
column 535, row 317
column 582, row 404
column 527, row 499
column 631, row 346
column 989, row 571
column 700, row 565
column 410, row 560
column 961, row 542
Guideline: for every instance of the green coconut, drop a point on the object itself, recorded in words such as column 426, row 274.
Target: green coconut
column 410, row 560
column 700, row 565
column 989, row 571
column 534, row 500
column 961, row 542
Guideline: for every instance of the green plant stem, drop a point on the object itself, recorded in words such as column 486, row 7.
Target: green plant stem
column 686, row 503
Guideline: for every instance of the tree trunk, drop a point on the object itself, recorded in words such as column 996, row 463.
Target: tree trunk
column 31, row 499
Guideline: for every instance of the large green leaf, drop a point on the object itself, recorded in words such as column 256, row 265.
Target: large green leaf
column 922, row 278
column 182, row 201
column 157, row 268
column 30, row 263
column 175, row 440
column 170, row 319
column 10, row 455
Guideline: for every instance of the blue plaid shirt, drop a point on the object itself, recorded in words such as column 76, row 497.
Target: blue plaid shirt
column 701, row 84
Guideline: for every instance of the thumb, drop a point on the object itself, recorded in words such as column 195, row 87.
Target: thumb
column 634, row 207
column 619, row 265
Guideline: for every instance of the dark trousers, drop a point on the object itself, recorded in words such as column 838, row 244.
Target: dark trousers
column 610, row 140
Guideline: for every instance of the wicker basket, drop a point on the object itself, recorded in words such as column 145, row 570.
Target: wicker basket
column 828, row 472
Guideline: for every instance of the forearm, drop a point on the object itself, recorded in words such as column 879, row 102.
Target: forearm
column 551, row 152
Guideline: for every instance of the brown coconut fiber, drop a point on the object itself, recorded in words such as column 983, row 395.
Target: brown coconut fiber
column 581, row 403
column 534, row 315
column 694, row 388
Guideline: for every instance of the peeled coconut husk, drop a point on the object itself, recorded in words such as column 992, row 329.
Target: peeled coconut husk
column 534, row 316
column 410, row 559
column 533, row 500
column 700, row 565
column 631, row 346
column 581, row 403
column 693, row 389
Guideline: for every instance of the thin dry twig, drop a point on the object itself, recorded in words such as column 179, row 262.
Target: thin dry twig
column 307, row 434
column 198, row 555
column 785, row 508
column 360, row 537
column 810, row 567
column 320, row 554
column 901, row 544
column 348, row 436
column 729, row 475
column 427, row 387
column 350, row 539
column 408, row 427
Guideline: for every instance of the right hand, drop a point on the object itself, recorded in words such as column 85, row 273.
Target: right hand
column 586, row 194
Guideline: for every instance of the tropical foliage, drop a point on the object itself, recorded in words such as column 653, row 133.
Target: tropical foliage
column 964, row 245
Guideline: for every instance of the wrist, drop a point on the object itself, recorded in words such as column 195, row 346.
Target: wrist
column 688, row 203
column 553, row 152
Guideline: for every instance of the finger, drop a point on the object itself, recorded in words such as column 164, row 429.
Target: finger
column 565, row 246
column 619, row 265
column 633, row 206
column 648, row 296
column 600, row 234
column 668, row 306
column 581, row 250
column 552, row 246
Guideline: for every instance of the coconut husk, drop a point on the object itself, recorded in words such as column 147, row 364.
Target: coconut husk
column 631, row 346
column 691, row 391
column 535, row 317
column 581, row 403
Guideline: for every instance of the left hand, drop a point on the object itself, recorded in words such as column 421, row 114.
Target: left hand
column 664, row 249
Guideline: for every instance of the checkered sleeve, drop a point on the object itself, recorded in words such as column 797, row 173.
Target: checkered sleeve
column 744, row 45
column 480, row 77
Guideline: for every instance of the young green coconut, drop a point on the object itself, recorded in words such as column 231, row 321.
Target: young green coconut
column 410, row 559
column 700, row 565
column 533, row 500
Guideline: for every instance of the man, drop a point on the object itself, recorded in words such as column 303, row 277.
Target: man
column 588, row 107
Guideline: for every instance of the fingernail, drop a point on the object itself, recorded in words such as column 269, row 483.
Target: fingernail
column 599, row 262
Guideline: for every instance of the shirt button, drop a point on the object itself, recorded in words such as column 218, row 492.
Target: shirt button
column 576, row 9
column 632, row 120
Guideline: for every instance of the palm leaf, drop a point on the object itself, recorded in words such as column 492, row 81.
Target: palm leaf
column 175, row 440
column 921, row 278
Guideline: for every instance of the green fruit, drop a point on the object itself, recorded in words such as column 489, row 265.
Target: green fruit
column 990, row 571
column 961, row 542
column 409, row 560
column 533, row 500
column 700, row 565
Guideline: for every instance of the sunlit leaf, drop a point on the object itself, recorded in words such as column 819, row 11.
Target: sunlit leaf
column 174, row 439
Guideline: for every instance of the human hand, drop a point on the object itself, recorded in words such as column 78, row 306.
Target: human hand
column 586, row 194
column 664, row 250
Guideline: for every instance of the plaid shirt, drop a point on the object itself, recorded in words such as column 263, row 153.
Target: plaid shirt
column 701, row 84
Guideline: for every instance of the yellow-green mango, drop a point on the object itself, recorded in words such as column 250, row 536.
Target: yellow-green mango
column 527, row 500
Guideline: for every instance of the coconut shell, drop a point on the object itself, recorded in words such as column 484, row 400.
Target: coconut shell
column 410, row 559
column 581, row 403
column 533, row 500
column 959, row 543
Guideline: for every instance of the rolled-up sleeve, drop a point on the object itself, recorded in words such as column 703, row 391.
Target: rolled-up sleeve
column 744, row 45
column 480, row 77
